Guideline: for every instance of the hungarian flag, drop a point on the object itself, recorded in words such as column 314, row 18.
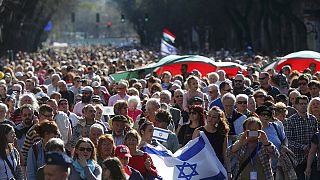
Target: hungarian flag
column 168, row 36
column 166, row 43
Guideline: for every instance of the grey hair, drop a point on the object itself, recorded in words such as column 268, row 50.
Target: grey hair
column 4, row 107
column 178, row 90
column 134, row 99
column 228, row 96
column 167, row 93
column 153, row 102
column 216, row 87
column 97, row 126
column 213, row 74
column 33, row 98
column 242, row 96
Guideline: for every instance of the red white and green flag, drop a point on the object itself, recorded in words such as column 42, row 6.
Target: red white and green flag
column 168, row 36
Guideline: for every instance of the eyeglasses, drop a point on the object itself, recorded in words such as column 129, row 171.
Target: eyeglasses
column 242, row 102
column 260, row 96
column 85, row 149
column 92, row 111
column 193, row 112
column 177, row 96
column 266, row 114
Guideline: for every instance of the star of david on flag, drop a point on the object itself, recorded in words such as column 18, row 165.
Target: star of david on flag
column 167, row 49
column 196, row 160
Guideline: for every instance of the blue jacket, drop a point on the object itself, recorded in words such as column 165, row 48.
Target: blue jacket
column 33, row 162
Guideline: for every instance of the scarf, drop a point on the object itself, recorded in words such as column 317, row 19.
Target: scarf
column 80, row 169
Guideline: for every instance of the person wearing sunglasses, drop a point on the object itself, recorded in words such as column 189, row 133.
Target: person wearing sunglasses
column 242, row 105
column 196, row 119
column 271, row 129
column 303, row 88
column 240, row 87
column 264, row 80
column 84, row 165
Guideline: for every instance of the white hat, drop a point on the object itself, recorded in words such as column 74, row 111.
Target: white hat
column 87, row 89
column 95, row 84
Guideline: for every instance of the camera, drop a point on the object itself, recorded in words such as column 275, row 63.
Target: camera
column 253, row 133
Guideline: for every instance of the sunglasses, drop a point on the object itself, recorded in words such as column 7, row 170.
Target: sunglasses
column 260, row 96
column 193, row 112
column 265, row 114
column 85, row 149
column 242, row 102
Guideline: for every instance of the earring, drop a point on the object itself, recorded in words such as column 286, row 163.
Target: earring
column 216, row 125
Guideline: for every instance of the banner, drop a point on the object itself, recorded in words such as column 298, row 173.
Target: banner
column 196, row 160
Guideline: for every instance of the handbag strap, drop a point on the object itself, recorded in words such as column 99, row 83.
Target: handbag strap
column 246, row 162
column 11, row 167
column 278, row 134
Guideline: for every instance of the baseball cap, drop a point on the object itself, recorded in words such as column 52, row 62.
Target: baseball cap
column 87, row 89
column 122, row 151
column 95, row 98
column 59, row 159
column 195, row 99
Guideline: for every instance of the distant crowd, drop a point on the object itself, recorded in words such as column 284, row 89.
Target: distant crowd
column 54, row 123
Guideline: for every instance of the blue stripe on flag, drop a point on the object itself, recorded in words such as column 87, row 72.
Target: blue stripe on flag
column 193, row 150
column 216, row 177
column 159, row 138
column 162, row 130
column 156, row 152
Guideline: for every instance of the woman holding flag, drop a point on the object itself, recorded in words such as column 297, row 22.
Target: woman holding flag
column 140, row 160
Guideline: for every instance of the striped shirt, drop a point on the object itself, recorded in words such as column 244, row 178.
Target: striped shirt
column 31, row 137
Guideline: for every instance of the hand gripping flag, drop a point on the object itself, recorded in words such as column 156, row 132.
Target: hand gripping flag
column 196, row 160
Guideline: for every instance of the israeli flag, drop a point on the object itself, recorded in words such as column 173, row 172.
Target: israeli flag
column 167, row 49
column 160, row 134
column 196, row 160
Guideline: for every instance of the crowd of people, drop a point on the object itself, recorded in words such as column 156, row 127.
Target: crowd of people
column 53, row 125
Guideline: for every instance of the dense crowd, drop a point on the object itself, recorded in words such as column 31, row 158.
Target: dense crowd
column 54, row 125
